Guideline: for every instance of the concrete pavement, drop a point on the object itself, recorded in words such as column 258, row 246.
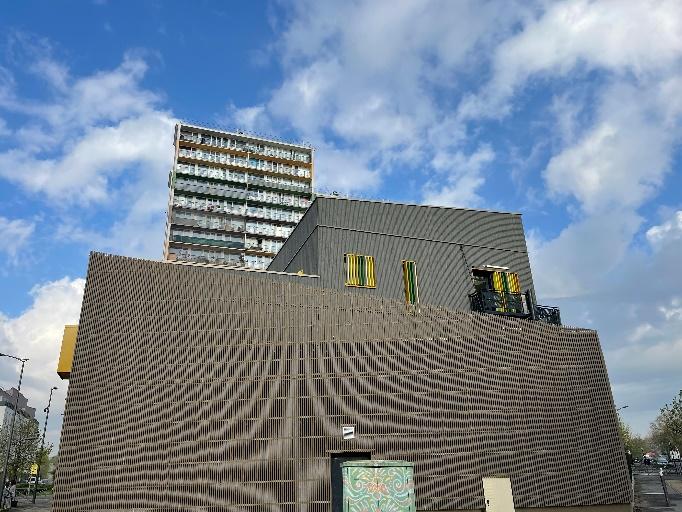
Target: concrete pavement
column 649, row 494
column 43, row 504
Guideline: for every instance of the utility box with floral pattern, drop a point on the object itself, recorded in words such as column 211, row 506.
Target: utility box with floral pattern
column 378, row 486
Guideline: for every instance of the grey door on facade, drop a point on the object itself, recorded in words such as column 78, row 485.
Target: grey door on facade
column 337, row 476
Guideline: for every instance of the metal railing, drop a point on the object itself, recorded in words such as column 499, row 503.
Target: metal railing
column 549, row 314
column 513, row 304
column 505, row 303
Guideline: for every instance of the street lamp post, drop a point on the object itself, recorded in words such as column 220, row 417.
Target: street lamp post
column 42, row 445
column 14, row 417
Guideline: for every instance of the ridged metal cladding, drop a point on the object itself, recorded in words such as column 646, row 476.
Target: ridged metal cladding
column 210, row 389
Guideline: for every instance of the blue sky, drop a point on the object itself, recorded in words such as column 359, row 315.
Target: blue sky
column 569, row 112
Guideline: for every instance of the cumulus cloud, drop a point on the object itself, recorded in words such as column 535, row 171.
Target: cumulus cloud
column 92, row 160
column 612, row 165
column 367, row 78
column 667, row 232
column 15, row 234
column 623, row 158
column 36, row 334
column 101, row 141
column 673, row 310
column 464, row 177
column 622, row 37
column 344, row 171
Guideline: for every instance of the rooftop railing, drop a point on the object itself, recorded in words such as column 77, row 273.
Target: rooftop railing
column 497, row 302
column 513, row 304
column 549, row 314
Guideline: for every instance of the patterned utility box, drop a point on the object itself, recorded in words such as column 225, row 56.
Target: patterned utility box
column 378, row 485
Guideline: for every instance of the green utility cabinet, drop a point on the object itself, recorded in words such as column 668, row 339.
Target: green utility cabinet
column 378, row 485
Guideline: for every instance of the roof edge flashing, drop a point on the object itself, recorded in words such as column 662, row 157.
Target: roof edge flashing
column 335, row 198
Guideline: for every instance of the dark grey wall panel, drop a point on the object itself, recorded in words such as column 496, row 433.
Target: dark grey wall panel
column 438, row 239
column 205, row 389
column 476, row 227
column 307, row 258
column 298, row 238
column 443, row 276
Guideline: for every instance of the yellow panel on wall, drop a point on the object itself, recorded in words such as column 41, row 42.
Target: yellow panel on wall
column 66, row 354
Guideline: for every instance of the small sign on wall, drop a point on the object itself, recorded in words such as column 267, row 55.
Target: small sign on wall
column 348, row 431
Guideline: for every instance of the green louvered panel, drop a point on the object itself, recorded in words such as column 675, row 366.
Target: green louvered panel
column 410, row 282
column 360, row 271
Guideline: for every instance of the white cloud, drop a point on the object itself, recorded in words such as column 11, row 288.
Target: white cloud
column 36, row 334
column 251, row 119
column 464, row 178
column 15, row 234
column 105, row 96
column 622, row 160
column 642, row 331
column 101, row 141
column 4, row 129
column 642, row 39
column 369, row 75
column 92, row 159
column 632, row 296
column 663, row 358
column 579, row 260
column 343, row 171
column 672, row 311
column 666, row 232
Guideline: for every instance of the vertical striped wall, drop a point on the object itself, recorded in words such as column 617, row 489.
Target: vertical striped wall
column 444, row 242
column 207, row 389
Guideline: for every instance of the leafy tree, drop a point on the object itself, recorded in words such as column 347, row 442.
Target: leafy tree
column 54, row 462
column 43, row 460
column 637, row 445
column 23, row 449
column 666, row 430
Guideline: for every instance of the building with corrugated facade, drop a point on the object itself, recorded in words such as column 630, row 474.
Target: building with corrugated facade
column 458, row 258
column 234, row 197
column 200, row 387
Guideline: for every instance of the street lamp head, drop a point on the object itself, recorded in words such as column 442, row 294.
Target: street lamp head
column 23, row 360
column 55, row 387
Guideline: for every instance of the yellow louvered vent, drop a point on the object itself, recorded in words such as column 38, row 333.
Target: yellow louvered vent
column 360, row 271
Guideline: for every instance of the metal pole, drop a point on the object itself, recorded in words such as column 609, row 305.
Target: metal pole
column 42, row 445
column 665, row 491
column 14, row 416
